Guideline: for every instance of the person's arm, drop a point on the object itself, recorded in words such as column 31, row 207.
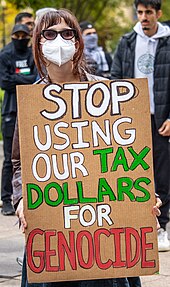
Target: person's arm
column 17, row 180
column 6, row 70
column 9, row 79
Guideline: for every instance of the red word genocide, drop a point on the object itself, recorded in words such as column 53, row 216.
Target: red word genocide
column 73, row 249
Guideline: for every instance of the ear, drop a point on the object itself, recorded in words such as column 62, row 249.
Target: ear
column 159, row 14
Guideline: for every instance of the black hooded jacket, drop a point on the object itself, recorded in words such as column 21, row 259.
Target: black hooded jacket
column 123, row 68
column 16, row 68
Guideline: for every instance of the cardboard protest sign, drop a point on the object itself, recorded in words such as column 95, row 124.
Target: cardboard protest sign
column 87, row 176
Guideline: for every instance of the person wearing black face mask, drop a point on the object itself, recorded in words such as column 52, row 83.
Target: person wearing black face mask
column 17, row 67
column 23, row 18
column 20, row 40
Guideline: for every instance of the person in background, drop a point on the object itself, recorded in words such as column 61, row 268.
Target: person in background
column 145, row 53
column 16, row 68
column 25, row 18
column 99, row 60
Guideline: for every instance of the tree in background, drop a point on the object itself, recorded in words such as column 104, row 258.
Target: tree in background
column 7, row 15
column 100, row 13
column 108, row 16
column 83, row 9
column 166, row 10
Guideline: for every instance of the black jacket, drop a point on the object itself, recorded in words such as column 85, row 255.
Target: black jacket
column 123, row 68
column 15, row 69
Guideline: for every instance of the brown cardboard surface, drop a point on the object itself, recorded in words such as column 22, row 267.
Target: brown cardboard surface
column 87, row 175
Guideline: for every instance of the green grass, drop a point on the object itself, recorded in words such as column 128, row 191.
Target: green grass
column 1, row 99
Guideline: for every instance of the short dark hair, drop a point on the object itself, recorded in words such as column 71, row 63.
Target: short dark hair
column 22, row 15
column 155, row 4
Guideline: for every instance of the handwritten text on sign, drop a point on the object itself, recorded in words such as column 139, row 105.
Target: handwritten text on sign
column 90, row 164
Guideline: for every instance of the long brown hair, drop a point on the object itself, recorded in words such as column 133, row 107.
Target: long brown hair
column 47, row 20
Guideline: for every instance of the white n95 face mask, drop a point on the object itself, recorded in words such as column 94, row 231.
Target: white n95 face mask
column 58, row 51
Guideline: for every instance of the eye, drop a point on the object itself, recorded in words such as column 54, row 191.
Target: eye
column 49, row 34
column 30, row 23
column 68, row 34
column 91, row 33
column 148, row 12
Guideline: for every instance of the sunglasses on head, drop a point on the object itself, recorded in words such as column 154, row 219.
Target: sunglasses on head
column 66, row 34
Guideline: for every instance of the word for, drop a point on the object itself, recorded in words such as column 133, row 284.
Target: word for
column 74, row 162
column 125, row 187
column 111, row 96
column 136, row 249
column 102, row 212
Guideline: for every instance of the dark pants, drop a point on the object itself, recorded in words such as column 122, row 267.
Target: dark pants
column 127, row 282
column 8, row 126
column 161, row 172
column 134, row 282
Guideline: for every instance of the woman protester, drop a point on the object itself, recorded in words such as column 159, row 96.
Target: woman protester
column 58, row 53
